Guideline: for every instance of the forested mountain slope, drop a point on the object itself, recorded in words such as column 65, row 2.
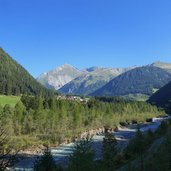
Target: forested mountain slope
column 162, row 97
column 142, row 80
column 90, row 81
column 15, row 80
column 70, row 80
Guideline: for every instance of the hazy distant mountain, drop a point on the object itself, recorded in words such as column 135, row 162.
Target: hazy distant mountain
column 142, row 80
column 15, row 80
column 96, row 80
column 90, row 81
column 162, row 65
column 59, row 77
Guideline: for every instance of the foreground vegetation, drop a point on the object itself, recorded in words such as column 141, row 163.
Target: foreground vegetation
column 37, row 120
column 145, row 152
column 151, row 151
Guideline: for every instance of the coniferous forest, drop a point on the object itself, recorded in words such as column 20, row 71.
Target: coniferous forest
column 37, row 120
column 52, row 121
column 15, row 80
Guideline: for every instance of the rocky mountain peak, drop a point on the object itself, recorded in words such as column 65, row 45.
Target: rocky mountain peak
column 59, row 76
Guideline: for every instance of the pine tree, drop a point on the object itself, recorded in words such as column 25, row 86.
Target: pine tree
column 137, row 147
column 109, row 152
column 83, row 157
column 39, row 100
column 46, row 163
column 53, row 103
column 130, row 167
column 19, row 110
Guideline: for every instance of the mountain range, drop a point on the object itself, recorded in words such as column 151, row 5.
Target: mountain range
column 69, row 80
column 141, row 80
column 99, row 81
column 94, row 81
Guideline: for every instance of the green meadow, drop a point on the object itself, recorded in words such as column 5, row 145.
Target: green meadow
column 11, row 100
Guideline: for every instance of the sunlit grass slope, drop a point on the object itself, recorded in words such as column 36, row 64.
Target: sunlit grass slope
column 11, row 100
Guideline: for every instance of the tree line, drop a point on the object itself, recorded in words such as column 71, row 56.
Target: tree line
column 47, row 120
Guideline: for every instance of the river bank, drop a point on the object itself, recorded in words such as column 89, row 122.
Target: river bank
column 61, row 153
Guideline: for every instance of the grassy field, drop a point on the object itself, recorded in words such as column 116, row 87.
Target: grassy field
column 137, row 97
column 11, row 100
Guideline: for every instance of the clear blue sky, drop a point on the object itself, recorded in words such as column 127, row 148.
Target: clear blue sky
column 43, row 34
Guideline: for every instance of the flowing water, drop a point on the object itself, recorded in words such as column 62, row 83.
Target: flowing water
column 61, row 154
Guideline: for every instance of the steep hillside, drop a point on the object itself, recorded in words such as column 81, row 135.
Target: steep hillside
column 16, row 80
column 93, row 79
column 143, row 80
column 59, row 77
column 162, row 97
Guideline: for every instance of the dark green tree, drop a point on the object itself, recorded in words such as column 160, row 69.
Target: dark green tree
column 18, row 117
column 149, row 137
column 137, row 147
column 52, row 103
column 83, row 157
column 130, row 167
column 109, row 152
column 39, row 101
column 19, row 110
column 46, row 162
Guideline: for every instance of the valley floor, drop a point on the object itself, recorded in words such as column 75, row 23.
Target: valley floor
column 62, row 153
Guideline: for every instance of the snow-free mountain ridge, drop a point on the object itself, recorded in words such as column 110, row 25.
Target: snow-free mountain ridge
column 70, row 80
column 58, row 77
